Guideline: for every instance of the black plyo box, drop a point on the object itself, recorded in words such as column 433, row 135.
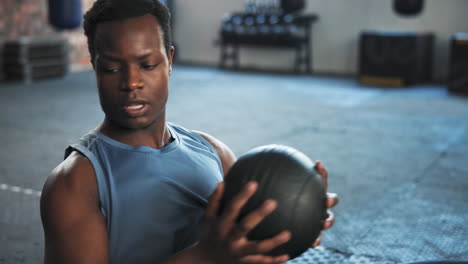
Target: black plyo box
column 30, row 59
column 395, row 58
column 458, row 72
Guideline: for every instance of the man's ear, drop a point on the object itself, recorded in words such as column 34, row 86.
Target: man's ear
column 171, row 56
column 93, row 61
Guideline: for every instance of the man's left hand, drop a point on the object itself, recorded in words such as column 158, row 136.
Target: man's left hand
column 331, row 201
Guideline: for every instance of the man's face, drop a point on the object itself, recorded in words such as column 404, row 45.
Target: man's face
column 132, row 71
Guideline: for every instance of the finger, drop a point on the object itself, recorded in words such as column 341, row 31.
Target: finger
column 213, row 202
column 251, row 220
column 329, row 221
column 265, row 259
column 317, row 241
column 332, row 200
column 323, row 172
column 231, row 212
column 265, row 246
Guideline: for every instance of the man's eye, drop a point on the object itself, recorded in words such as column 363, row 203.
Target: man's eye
column 148, row 66
column 109, row 69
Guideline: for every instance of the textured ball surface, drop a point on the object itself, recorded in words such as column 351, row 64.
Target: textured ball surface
column 287, row 176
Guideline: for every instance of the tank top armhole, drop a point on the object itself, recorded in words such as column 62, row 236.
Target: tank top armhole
column 100, row 178
column 212, row 149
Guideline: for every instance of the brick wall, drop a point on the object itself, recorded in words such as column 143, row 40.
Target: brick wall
column 28, row 18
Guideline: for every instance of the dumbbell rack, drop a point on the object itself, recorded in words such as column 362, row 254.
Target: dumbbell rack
column 28, row 59
column 281, row 30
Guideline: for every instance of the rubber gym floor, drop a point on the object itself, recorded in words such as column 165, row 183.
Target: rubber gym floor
column 397, row 157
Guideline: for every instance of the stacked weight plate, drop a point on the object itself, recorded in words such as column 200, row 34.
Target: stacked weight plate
column 28, row 59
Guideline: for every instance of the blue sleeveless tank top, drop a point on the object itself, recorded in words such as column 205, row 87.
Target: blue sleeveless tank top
column 153, row 199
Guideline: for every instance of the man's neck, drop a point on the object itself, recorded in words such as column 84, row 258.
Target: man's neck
column 156, row 136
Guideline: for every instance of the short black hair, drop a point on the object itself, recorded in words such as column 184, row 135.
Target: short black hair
column 115, row 10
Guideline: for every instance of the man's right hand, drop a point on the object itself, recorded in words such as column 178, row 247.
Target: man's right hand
column 224, row 240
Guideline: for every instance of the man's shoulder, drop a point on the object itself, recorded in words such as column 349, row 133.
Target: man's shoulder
column 216, row 143
column 226, row 155
column 224, row 152
column 198, row 136
column 73, row 176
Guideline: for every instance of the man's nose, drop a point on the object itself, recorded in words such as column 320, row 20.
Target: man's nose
column 132, row 79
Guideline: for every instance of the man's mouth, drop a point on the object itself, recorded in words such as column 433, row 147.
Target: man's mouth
column 135, row 109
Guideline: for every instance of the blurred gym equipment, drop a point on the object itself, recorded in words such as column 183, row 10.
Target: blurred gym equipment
column 268, row 24
column 28, row 59
column 65, row 14
column 408, row 7
column 458, row 75
column 395, row 58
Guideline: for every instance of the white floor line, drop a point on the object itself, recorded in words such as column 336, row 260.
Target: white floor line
column 18, row 189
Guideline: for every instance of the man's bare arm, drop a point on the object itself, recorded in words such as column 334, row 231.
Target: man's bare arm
column 74, row 228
